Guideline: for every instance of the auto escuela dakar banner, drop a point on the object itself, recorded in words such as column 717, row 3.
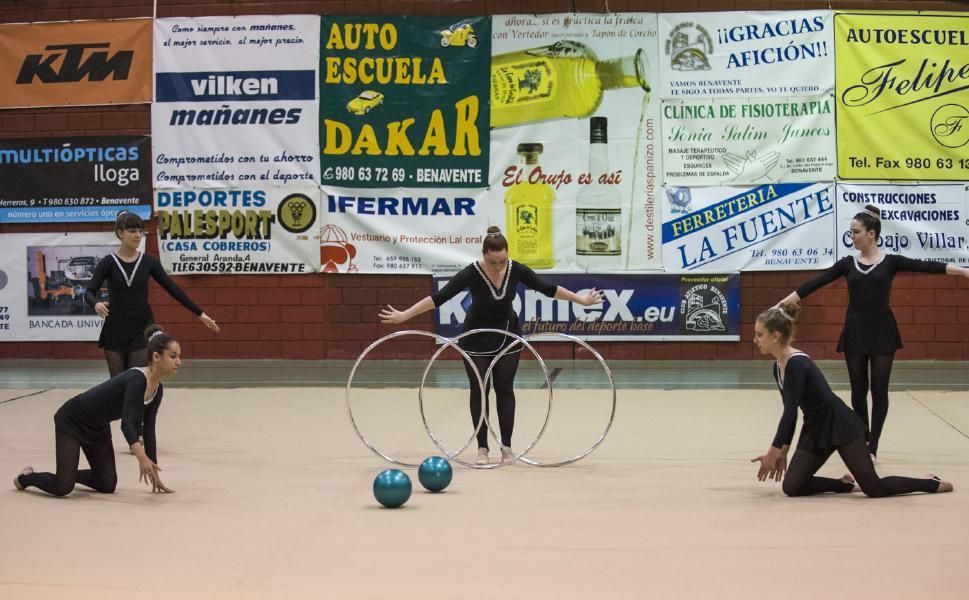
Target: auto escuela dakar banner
column 271, row 230
column 43, row 278
column 928, row 222
column 74, row 179
column 648, row 307
column 75, row 63
column 903, row 101
column 235, row 101
column 780, row 226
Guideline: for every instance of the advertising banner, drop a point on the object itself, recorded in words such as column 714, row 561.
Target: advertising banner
column 272, row 230
column 749, row 140
column 902, row 96
column 74, row 179
column 404, row 101
column 575, row 151
column 235, row 101
column 724, row 54
column 76, row 63
column 653, row 307
column 920, row 221
column 43, row 278
column 783, row 226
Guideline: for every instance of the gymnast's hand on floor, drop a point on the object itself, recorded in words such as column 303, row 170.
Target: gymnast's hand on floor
column 771, row 467
column 149, row 474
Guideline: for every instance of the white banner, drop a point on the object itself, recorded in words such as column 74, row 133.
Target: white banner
column 403, row 230
column 748, row 141
column 774, row 227
column 273, row 230
column 724, row 54
column 43, row 277
column 236, row 101
column 919, row 221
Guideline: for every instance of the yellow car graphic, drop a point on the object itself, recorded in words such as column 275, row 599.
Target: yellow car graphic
column 365, row 102
column 459, row 35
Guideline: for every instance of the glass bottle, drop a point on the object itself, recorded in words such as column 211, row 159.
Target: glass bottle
column 598, row 207
column 564, row 79
column 529, row 214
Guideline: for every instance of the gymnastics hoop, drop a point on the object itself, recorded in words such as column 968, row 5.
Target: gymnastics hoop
column 446, row 343
column 517, row 340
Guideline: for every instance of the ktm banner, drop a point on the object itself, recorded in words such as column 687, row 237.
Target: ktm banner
column 91, row 62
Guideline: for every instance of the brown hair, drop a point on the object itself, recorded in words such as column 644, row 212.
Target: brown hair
column 781, row 319
column 494, row 241
column 871, row 219
column 157, row 340
column 127, row 220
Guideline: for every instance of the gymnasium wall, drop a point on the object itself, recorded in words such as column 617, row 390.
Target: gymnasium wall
column 334, row 316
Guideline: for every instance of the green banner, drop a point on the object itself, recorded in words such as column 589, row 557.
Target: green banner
column 404, row 101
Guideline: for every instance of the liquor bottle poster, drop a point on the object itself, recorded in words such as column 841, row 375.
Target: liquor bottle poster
column 902, row 100
column 570, row 192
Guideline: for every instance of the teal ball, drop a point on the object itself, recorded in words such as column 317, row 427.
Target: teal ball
column 392, row 488
column 435, row 473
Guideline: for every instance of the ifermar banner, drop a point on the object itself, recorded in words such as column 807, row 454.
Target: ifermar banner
column 575, row 151
column 75, row 63
column 236, row 101
column 748, row 140
column 252, row 231
column 920, row 221
column 43, row 279
column 746, row 53
column 644, row 307
column 903, row 98
column 771, row 227
column 404, row 101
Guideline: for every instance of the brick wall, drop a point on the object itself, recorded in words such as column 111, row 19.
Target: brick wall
column 334, row 316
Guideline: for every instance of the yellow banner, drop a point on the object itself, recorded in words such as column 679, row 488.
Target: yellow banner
column 87, row 62
column 902, row 87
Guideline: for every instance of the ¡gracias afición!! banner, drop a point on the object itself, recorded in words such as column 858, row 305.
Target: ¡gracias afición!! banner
column 653, row 307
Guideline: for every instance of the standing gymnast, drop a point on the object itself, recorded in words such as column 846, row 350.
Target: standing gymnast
column 126, row 272
column 829, row 424
column 83, row 423
column 870, row 334
column 492, row 282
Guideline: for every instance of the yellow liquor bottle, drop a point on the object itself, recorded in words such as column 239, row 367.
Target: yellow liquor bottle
column 564, row 79
column 529, row 214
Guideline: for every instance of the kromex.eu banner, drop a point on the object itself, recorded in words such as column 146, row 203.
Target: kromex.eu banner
column 76, row 63
column 903, row 96
column 652, row 307
column 272, row 230
column 749, row 140
column 920, row 221
column 74, row 179
column 724, row 54
column 235, row 101
column 43, row 278
column 404, row 101
column 782, row 226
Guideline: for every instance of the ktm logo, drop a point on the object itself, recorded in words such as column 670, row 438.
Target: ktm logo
column 96, row 66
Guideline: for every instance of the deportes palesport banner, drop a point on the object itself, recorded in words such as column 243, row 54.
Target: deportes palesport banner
column 75, row 63
column 74, row 179
column 903, row 97
column 43, row 278
column 271, row 230
column 235, row 101
column 575, row 146
column 748, row 141
column 724, row 54
column 782, row 226
column 404, row 101
column 646, row 307
column 920, row 221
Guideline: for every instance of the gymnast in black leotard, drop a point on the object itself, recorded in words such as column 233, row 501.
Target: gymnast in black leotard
column 83, row 423
column 492, row 283
column 870, row 334
column 126, row 313
column 829, row 425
